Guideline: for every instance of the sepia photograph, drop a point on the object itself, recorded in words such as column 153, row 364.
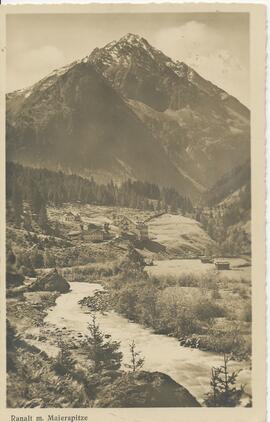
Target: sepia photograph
column 129, row 210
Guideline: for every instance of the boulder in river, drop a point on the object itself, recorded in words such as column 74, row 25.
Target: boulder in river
column 52, row 281
column 145, row 389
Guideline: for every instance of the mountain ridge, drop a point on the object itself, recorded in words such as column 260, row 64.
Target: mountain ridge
column 128, row 110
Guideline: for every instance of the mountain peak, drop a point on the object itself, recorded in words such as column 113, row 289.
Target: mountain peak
column 125, row 50
column 129, row 37
column 128, row 41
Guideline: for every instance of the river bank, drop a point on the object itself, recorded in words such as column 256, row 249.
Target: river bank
column 164, row 309
column 48, row 367
column 191, row 368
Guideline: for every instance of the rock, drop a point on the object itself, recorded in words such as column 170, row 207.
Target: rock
column 14, row 279
column 16, row 291
column 52, row 281
column 96, row 303
column 145, row 389
column 34, row 403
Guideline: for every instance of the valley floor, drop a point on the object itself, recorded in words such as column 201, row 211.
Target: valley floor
column 191, row 304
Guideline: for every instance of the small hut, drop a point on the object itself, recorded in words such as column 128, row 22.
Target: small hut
column 96, row 235
column 222, row 265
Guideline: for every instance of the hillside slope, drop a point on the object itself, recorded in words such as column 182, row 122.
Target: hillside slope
column 180, row 235
column 78, row 123
column 227, row 189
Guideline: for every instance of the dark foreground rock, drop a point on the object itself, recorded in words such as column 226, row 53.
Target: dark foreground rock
column 52, row 281
column 145, row 389
column 14, row 279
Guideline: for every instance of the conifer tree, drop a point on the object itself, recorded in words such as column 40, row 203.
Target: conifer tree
column 136, row 361
column 42, row 218
column 224, row 392
column 101, row 350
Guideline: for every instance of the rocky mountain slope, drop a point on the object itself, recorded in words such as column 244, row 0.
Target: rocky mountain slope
column 227, row 189
column 231, row 195
column 128, row 110
column 203, row 130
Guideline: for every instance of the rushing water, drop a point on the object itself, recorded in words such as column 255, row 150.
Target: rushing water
column 189, row 367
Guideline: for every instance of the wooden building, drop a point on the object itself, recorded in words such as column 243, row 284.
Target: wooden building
column 222, row 265
column 97, row 235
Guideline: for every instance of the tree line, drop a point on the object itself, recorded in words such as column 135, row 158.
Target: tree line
column 221, row 223
column 41, row 187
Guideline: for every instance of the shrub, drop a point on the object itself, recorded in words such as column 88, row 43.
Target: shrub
column 206, row 311
column 188, row 280
column 247, row 314
column 241, row 291
column 186, row 324
column 230, row 342
column 215, row 294
column 34, row 383
column 126, row 302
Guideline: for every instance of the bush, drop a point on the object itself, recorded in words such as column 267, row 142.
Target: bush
column 26, row 271
column 206, row 311
column 215, row 294
column 241, row 291
column 34, row 383
column 186, row 324
column 230, row 342
column 247, row 314
column 188, row 280
column 126, row 302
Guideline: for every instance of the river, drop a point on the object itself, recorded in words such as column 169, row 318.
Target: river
column 189, row 367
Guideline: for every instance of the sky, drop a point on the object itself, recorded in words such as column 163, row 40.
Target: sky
column 216, row 45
